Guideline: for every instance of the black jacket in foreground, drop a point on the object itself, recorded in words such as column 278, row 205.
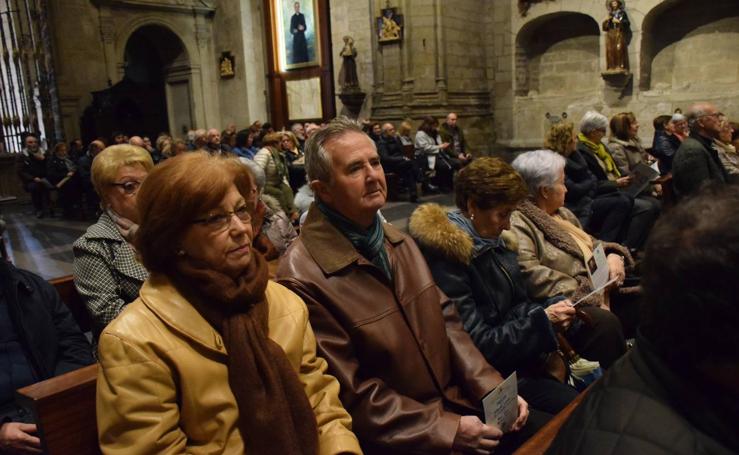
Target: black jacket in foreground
column 53, row 341
column 641, row 406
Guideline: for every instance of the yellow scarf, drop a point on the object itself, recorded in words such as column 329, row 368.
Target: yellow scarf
column 600, row 151
column 582, row 238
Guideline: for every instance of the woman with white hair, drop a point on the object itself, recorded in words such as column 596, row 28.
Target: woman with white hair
column 273, row 230
column 553, row 249
column 645, row 210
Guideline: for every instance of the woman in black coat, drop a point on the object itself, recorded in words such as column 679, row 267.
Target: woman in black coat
column 476, row 269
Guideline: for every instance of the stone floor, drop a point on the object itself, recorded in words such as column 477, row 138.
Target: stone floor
column 44, row 246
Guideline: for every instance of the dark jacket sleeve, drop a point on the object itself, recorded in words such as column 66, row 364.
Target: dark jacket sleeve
column 577, row 190
column 514, row 339
column 379, row 413
column 690, row 169
column 386, row 155
column 73, row 349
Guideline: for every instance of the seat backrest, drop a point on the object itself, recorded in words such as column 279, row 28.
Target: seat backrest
column 542, row 439
column 68, row 292
column 64, row 410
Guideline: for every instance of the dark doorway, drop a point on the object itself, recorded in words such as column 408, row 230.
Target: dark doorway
column 137, row 105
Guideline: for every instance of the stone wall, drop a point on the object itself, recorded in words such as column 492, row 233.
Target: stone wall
column 680, row 52
column 90, row 41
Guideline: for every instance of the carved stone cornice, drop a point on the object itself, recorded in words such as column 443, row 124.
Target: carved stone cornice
column 203, row 8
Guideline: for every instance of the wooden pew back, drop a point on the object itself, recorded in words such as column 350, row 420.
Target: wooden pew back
column 65, row 287
column 540, row 442
column 64, row 410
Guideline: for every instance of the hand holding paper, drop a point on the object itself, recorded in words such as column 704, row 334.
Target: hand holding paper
column 502, row 405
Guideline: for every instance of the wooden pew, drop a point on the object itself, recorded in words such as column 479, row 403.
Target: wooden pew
column 540, row 442
column 65, row 287
column 64, row 410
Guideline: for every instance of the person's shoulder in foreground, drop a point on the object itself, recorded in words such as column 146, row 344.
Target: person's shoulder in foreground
column 676, row 391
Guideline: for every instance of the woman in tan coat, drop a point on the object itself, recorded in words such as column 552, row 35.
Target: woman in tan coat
column 212, row 357
column 553, row 250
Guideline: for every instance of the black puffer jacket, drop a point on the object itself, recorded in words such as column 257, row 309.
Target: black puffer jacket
column 641, row 407
column 487, row 288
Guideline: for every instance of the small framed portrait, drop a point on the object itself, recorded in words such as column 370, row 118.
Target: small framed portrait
column 389, row 26
column 297, row 33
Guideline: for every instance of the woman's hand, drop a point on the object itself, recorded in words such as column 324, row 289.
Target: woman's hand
column 443, row 145
column 523, row 414
column 623, row 181
column 616, row 268
column 561, row 313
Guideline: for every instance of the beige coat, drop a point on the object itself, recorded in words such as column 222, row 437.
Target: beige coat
column 550, row 260
column 626, row 154
column 163, row 388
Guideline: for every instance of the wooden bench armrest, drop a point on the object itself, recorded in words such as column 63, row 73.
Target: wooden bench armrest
column 64, row 411
column 69, row 295
column 540, row 442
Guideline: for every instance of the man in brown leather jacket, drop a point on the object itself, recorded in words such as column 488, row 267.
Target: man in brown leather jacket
column 410, row 375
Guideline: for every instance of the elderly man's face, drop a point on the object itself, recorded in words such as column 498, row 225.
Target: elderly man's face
column 388, row 130
column 357, row 189
column 32, row 144
column 214, row 137
column 451, row 120
column 710, row 121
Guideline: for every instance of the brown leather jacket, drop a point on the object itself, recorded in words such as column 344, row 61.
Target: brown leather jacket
column 407, row 368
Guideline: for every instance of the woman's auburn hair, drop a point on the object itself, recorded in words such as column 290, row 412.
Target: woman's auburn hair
column 175, row 193
column 489, row 182
column 620, row 124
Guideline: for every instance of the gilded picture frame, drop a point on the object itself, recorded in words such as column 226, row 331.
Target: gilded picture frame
column 297, row 31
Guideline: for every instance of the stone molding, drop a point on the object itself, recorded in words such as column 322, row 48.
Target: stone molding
column 179, row 6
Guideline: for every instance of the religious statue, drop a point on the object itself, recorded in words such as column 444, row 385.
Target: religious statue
column 389, row 26
column 227, row 66
column 348, row 74
column 616, row 27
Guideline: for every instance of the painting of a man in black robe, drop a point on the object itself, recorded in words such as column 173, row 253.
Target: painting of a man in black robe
column 298, row 44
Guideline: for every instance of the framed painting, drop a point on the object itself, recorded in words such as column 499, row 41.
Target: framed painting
column 389, row 26
column 297, row 33
column 304, row 99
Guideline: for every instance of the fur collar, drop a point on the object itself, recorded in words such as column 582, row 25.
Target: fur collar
column 431, row 228
column 551, row 230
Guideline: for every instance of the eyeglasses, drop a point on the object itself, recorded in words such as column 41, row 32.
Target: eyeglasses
column 222, row 221
column 715, row 115
column 129, row 187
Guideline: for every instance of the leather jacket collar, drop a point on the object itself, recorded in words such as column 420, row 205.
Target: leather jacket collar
column 331, row 250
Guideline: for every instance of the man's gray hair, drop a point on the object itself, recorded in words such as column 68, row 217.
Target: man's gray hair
column 697, row 111
column 677, row 117
column 317, row 159
column 540, row 168
column 592, row 121
column 256, row 171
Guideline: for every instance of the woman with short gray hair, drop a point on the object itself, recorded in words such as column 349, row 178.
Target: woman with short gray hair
column 553, row 248
column 610, row 179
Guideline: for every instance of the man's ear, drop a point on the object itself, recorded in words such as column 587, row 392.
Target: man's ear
column 321, row 190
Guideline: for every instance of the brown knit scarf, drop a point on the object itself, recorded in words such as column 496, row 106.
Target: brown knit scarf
column 275, row 416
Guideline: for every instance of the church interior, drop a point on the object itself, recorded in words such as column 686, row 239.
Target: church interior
column 626, row 83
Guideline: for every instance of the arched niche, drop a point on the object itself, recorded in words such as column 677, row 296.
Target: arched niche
column 690, row 44
column 156, row 60
column 558, row 53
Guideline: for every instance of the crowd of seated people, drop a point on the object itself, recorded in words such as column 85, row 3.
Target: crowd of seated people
column 375, row 341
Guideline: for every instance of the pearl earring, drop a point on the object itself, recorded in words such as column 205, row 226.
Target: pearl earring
column 472, row 216
column 180, row 252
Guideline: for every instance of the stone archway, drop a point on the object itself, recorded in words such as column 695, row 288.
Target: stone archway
column 556, row 52
column 157, row 62
column 687, row 44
